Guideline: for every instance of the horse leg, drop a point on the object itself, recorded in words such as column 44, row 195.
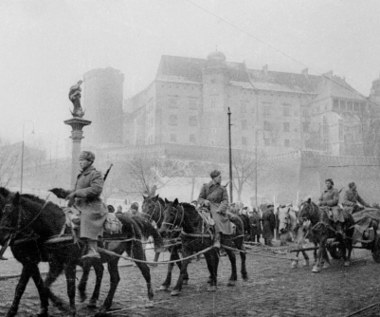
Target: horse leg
column 55, row 269
column 306, row 257
column 347, row 246
column 233, row 277
column 20, row 288
column 320, row 253
column 83, row 281
column 70, row 282
column 173, row 256
column 212, row 260
column 243, row 258
column 99, row 269
column 114, row 281
column 178, row 287
column 36, row 275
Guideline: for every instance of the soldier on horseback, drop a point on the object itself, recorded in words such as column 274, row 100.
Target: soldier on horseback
column 86, row 198
column 214, row 196
column 329, row 201
column 352, row 200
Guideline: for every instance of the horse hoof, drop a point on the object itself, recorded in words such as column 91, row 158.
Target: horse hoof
column 185, row 282
column 346, row 263
column 174, row 292
column 231, row 283
column 294, row 264
column 245, row 278
column 43, row 313
column 209, row 280
column 149, row 304
column 163, row 288
column 211, row 289
column 316, row 269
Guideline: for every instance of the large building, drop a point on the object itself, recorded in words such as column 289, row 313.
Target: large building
column 311, row 127
column 188, row 100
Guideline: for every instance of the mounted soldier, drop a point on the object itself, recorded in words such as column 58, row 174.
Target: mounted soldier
column 352, row 200
column 329, row 202
column 214, row 196
column 86, row 198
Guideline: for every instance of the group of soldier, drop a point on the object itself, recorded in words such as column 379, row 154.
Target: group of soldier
column 213, row 196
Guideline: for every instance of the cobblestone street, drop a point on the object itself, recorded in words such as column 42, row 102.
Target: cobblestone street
column 273, row 289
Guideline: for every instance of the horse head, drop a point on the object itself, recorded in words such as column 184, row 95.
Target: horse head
column 10, row 216
column 284, row 219
column 153, row 207
column 171, row 217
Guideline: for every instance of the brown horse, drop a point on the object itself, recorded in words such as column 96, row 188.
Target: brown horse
column 43, row 220
column 317, row 222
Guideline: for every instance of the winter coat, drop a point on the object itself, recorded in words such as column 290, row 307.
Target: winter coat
column 255, row 223
column 218, row 197
column 269, row 224
column 87, row 191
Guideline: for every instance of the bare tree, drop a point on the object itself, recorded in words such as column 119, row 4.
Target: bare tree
column 8, row 162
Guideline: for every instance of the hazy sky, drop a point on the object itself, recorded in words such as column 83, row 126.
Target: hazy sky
column 47, row 45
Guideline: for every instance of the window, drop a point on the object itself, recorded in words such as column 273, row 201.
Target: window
column 244, row 124
column 336, row 105
column 173, row 102
column 173, row 120
column 287, row 142
column 286, row 111
column 192, row 139
column 244, row 141
column 286, row 126
column 193, row 105
column 193, row 121
column 267, row 126
column 243, row 106
column 173, row 137
column 267, row 111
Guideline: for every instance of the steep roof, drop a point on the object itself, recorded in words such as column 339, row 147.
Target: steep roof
column 188, row 69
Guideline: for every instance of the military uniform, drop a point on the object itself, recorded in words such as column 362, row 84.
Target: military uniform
column 218, row 198
column 87, row 192
column 329, row 200
column 351, row 199
column 269, row 225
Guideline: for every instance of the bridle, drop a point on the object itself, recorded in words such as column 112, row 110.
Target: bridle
column 173, row 225
column 15, row 231
column 152, row 214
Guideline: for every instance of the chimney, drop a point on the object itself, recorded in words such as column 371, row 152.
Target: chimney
column 265, row 70
column 305, row 72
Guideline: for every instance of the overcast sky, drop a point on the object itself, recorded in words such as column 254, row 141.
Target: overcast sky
column 47, row 45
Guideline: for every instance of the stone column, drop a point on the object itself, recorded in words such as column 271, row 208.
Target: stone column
column 77, row 125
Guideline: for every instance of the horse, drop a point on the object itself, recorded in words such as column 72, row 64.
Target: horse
column 153, row 208
column 289, row 229
column 195, row 238
column 316, row 221
column 44, row 220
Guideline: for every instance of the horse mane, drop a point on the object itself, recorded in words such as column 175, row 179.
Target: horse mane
column 187, row 205
column 4, row 192
column 33, row 198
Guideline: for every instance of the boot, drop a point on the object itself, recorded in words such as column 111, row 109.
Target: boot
column 92, row 250
column 217, row 240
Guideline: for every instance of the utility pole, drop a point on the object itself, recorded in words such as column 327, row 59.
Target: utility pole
column 230, row 151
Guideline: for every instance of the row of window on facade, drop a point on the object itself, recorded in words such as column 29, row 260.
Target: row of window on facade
column 192, row 120
column 347, row 105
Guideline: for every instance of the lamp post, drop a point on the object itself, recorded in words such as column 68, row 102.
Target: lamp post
column 22, row 154
column 256, row 169
column 230, row 151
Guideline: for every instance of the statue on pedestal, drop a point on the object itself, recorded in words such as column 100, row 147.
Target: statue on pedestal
column 74, row 96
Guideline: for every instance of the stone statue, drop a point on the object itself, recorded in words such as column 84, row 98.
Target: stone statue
column 74, row 96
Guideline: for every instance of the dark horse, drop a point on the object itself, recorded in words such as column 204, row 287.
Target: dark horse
column 42, row 220
column 153, row 209
column 195, row 238
column 321, row 227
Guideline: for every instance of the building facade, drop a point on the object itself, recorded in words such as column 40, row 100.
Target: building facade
column 278, row 112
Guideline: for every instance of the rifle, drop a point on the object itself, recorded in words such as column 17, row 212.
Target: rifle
column 107, row 172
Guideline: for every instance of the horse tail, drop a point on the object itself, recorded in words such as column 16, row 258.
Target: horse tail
column 148, row 230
